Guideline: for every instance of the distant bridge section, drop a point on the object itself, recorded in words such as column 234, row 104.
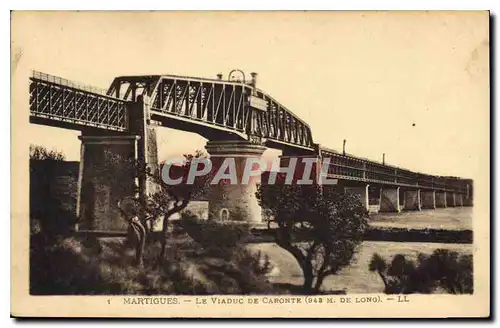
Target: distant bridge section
column 348, row 167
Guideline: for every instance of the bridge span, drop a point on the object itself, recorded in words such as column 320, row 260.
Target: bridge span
column 237, row 118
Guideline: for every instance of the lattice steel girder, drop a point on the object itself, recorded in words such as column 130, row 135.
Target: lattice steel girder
column 62, row 102
column 224, row 104
column 282, row 122
column 218, row 104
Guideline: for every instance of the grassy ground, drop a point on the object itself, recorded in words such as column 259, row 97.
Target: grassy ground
column 356, row 278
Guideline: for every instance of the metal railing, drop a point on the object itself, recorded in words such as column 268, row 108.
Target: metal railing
column 68, row 83
column 352, row 168
column 56, row 101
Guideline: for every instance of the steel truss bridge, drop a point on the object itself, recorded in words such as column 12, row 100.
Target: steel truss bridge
column 213, row 108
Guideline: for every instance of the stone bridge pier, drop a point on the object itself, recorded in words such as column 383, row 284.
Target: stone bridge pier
column 389, row 199
column 361, row 192
column 106, row 176
column 112, row 167
column 450, row 199
column 413, row 200
column 428, row 199
column 441, row 199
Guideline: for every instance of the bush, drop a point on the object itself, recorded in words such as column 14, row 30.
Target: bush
column 65, row 267
column 230, row 266
column 217, row 238
column 253, row 268
column 73, row 266
column 68, row 267
column 442, row 269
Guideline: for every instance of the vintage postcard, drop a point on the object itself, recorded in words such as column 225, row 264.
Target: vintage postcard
column 250, row 164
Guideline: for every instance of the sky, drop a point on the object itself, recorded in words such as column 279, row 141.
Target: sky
column 414, row 86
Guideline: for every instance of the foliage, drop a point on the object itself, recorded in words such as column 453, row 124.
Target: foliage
column 71, row 266
column 215, row 236
column 172, row 199
column 245, row 272
column 442, row 269
column 241, row 270
column 41, row 153
column 166, row 200
column 47, row 212
column 320, row 227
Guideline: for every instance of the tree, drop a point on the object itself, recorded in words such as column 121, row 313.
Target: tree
column 41, row 153
column 162, row 203
column 47, row 213
column 443, row 268
column 171, row 199
column 320, row 227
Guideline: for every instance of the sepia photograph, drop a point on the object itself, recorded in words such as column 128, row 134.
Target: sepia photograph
column 250, row 164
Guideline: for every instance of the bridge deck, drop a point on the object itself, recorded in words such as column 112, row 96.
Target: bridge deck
column 348, row 167
column 212, row 108
column 62, row 103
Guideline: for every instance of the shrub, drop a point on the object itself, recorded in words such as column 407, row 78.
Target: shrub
column 217, row 238
column 253, row 269
column 442, row 269
column 241, row 271
column 71, row 267
column 68, row 267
